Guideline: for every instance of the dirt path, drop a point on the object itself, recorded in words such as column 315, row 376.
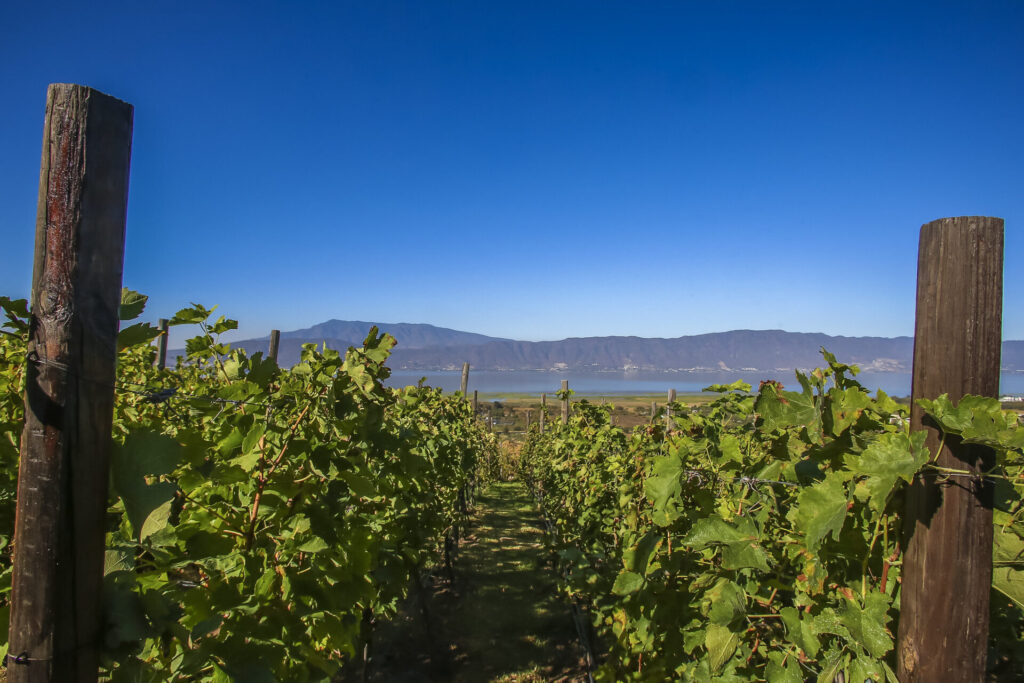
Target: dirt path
column 501, row 621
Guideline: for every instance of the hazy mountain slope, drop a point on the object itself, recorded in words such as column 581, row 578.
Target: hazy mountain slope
column 761, row 349
column 427, row 347
column 409, row 335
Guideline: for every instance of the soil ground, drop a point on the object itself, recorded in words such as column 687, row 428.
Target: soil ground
column 501, row 620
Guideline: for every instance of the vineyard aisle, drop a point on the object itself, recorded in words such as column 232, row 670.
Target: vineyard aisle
column 502, row 620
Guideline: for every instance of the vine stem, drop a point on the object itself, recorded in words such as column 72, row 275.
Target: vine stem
column 264, row 478
column 211, row 511
column 942, row 444
column 867, row 556
column 889, row 562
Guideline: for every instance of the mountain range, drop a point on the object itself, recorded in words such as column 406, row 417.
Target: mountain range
column 426, row 347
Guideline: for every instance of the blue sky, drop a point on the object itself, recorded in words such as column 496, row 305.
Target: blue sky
column 535, row 170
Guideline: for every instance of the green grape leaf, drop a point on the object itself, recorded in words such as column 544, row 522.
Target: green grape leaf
column 727, row 602
column 132, row 304
column 627, row 582
column 664, row 486
column 638, row 557
column 1007, row 563
column 145, row 454
column 892, row 456
column 868, row 625
column 864, row 669
column 159, row 516
column 721, row 643
column 223, row 325
column 314, row 545
column 744, row 554
column 800, row 632
column 204, row 544
column 711, row 531
column 776, row 673
column 252, row 438
column 124, row 615
column 786, row 409
column 847, row 407
column 821, row 510
column 133, row 335
column 739, row 385
column 977, row 419
column 729, row 446
column 360, row 485
column 191, row 315
column 833, row 663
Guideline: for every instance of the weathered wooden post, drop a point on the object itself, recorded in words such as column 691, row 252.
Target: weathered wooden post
column 668, row 408
column 654, row 410
column 56, row 609
column 465, row 380
column 161, row 344
column 527, row 421
column 565, row 401
column 543, row 411
column 947, row 566
column 275, row 345
column 476, row 402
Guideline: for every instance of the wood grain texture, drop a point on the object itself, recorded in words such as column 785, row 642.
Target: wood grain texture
column 275, row 345
column 565, row 402
column 465, row 380
column 62, row 482
column 947, row 567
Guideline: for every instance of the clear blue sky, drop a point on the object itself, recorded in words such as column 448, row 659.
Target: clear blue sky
column 535, row 170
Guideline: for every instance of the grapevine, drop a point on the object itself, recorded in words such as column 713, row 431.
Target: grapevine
column 259, row 517
column 758, row 539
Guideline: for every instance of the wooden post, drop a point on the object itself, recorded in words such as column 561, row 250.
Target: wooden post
column 465, row 380
column 654, row 409
column 543, row 411
column 476, row 402
column 668, row 408
column 527, row 421
column 947, row 566
column 161, row 344
column 565, row 402
column 56, row 608
column 275, row 345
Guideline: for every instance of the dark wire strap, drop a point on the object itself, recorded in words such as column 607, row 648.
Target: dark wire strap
column 24, row 658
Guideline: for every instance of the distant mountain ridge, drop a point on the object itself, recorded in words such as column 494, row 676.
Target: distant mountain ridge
column 341, row 334
column 428, row 348
column 735, row 350
column 412, row 335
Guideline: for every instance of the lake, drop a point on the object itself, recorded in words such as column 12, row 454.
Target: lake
column 626, row 383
